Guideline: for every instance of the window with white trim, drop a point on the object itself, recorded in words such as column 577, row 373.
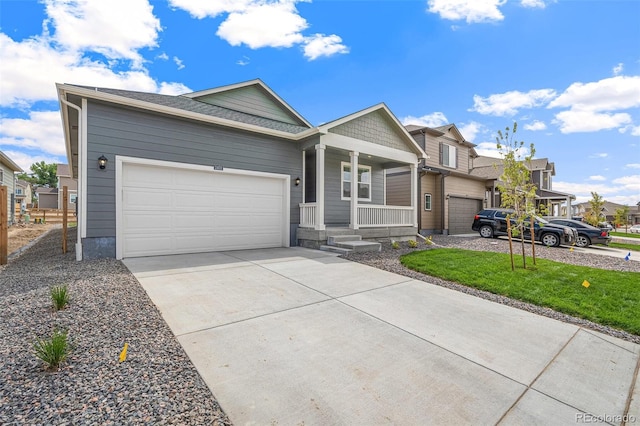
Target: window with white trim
column 427, row 202
column 18, row 191
column 448, row 155
column 364, row 182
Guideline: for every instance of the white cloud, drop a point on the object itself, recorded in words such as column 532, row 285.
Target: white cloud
column 25, row 160
column 115, row 28
column 599, row 155
column 163, row 56
column 42, row 131
column 244, row 61
column 488, row 149
column 535, row 126
column 321, row 45
column 629, row 183
column 264, row 25
column 472, row 11
column 633, row 165
column 203, row 9
column 635, row 130
column 609, row 94
column 178, row 62
column 617, row 70
column 24, row 82
column 470, row 130
column 510, row 102
column 260, row 23
column 533, row 3
column 597, row 178
column 431, row 120
column 573, row 121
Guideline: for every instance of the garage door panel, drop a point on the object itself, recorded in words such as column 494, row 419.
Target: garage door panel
column 193, row 211
column 461, row 212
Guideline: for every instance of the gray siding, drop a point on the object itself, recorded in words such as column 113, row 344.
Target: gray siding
column 376, row 128
column 117, row 131
column 251, row 100
column 337, row 210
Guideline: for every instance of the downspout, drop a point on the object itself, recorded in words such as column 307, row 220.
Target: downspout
column 80, row 157
column 442, row 200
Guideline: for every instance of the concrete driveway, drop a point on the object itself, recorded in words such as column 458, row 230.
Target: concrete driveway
column 295, row 336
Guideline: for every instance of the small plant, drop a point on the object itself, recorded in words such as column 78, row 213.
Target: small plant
column 429, row 241
column 395, row 245
column 412, row 243
column 59, row 297
column 54, row 350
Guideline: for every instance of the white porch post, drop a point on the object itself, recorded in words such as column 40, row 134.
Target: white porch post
column 568, row 208
column 414, row 193
column 304, row 168
column 320, row 149
column 353, row 223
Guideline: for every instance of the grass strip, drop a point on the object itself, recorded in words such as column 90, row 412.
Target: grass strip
column 624, row 234
column 612, row 297
column 625, row 246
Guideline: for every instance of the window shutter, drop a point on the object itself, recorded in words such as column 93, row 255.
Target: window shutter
column 455, row 156
column 441, row 147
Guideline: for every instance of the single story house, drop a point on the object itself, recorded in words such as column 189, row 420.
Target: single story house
column 47, row 198
column 234, row 167
column 7, row 178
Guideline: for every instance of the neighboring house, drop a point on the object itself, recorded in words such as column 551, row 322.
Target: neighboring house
column 65, row 179
column 608, row 212
column 7, row 178
column 455, row 183
column 542, row 171
column 228, row 168
column 47, row 198
column 23, row 194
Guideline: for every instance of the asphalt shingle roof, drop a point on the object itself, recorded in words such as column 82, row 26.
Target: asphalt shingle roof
column 191, row 105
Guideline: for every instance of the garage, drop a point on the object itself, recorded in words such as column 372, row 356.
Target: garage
column 172, row 208
column 461, row 213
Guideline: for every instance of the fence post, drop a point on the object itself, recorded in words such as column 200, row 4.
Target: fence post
column 4, row 218
column 65, row 208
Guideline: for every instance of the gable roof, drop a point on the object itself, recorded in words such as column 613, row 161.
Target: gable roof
column 381, row 108
column 217, row 96
column 8, row 163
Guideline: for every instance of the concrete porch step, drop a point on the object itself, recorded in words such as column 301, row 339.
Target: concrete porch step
column 331, row 240
column 359, row 246
column 334, row 249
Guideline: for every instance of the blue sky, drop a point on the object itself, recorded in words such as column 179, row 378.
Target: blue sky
column 567, row 71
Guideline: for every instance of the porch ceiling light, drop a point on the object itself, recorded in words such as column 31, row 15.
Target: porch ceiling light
column 102, row 162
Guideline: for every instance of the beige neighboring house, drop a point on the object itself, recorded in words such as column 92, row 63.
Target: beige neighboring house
column 64, row 179
column 608, row 212
column 455, row 182
column 24, row 194
column 47, row 197
column 7, row 178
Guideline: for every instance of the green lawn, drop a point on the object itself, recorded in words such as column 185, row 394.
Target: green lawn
column 626, row 246
column 624, row 234
column 612, row 298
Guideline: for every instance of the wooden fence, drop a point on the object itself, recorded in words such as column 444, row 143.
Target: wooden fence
column 46, row 216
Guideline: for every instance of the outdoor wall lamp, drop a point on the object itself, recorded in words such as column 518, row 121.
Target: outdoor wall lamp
column 297, row 181
column 102, row 162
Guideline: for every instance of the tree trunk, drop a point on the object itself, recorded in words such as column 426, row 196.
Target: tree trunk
column 533, row 241
column 513, row 267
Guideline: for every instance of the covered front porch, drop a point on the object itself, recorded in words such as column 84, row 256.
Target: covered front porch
column 344, row 180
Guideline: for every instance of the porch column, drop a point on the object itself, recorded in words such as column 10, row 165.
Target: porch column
column 320, row 226
column 414, row 193
column 353, row 223
column 569, row 213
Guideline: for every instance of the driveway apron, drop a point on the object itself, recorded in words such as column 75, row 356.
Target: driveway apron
column 294, row 336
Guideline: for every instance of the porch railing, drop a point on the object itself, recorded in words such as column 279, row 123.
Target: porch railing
column 308, row 215
column 377, row 215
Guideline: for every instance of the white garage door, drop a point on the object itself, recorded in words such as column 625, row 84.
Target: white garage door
column 172, row 210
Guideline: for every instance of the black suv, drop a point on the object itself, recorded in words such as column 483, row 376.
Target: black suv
column 493, row 222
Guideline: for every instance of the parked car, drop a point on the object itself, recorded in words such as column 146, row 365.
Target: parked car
column 587, row 234
column 491, row 223
column 606, row 225
column 635, row 229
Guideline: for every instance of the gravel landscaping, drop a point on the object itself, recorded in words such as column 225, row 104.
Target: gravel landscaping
column 157, row 384
column 388, row 259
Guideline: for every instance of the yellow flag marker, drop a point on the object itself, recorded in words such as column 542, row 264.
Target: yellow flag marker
column 585, row 283
column 571, row 249
column 123, row 354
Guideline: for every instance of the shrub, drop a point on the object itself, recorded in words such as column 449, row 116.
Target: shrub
column 59, row 297
column 52, row 351
column 395, row 245
column 413, row 243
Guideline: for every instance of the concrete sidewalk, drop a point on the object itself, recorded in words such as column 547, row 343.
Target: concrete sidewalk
column 297, row 336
